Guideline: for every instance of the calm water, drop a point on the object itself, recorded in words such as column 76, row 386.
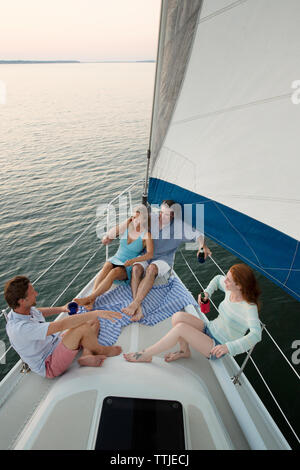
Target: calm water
column 72, row 136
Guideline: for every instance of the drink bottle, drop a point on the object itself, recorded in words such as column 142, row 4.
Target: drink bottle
column 205, row 304
column 201, row 258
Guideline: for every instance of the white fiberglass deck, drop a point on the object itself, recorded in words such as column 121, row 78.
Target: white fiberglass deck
column 68, row 413
column 63, row 413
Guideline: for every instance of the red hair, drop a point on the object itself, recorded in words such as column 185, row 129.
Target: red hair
column 244, row 277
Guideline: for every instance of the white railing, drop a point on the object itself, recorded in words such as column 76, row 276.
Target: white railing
column 127, row 190
column 262, row 324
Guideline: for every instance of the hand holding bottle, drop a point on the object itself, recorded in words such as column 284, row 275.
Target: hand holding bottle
column 203, row 298
column 201, row 255
column 203, row 301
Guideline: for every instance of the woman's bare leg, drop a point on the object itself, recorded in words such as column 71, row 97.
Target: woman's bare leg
column 184, row 350
column 189, row 319
column 106, row 268
column 193, row 336
column 104, row 286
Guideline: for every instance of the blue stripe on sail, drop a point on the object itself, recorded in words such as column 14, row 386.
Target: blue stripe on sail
column 161, row 302
column 274, row 254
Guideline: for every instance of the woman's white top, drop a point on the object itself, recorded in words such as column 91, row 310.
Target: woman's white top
column 234, row 319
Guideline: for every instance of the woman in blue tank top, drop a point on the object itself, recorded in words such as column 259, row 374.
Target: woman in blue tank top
column 134, row 238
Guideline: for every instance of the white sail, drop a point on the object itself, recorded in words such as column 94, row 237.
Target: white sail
column 233, row 139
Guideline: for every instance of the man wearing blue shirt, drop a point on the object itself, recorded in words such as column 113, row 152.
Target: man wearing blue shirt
column 39, row 343
column 166, row 241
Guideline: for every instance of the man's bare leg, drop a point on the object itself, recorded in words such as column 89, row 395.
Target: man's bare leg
column 89, row 359
column 87, row 337
column 144, row 287
column 136, row 278
column 138, row 314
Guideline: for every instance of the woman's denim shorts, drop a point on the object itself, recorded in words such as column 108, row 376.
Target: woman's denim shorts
column 208, row 333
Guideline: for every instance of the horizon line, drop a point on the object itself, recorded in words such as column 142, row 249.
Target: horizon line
column 74, row 61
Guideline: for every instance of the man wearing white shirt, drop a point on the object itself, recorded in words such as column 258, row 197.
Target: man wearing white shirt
column 39, row 343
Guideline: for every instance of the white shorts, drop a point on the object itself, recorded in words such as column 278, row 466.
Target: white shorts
column 162, row 266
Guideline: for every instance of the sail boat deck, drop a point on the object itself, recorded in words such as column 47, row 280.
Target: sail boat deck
column 64, row 413
column 50, row 411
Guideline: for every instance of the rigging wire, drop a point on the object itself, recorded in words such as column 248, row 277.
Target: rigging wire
column 75, row 277
column 78, row 238
column 61, row 294
column 265, row 328
column 257, row 369
column 4, row 311
column 276, row 402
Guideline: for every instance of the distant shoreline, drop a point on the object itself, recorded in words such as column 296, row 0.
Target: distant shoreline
column 117, row 61
column 3, row 62
column 39, row 62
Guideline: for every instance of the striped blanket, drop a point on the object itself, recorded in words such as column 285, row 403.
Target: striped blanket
column 160, row 303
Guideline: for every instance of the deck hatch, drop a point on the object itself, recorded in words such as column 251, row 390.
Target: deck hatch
column 139, row 423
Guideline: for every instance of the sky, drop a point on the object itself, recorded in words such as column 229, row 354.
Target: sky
column 86, row 30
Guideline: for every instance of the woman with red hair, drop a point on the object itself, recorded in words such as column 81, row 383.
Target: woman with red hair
column 238, row 313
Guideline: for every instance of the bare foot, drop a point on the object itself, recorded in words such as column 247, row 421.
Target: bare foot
column 91, row 360
column 173, row 356
column 111, row 351
column 130, row 309
column 137, row 357
column 138, row 315
column 85, row 301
